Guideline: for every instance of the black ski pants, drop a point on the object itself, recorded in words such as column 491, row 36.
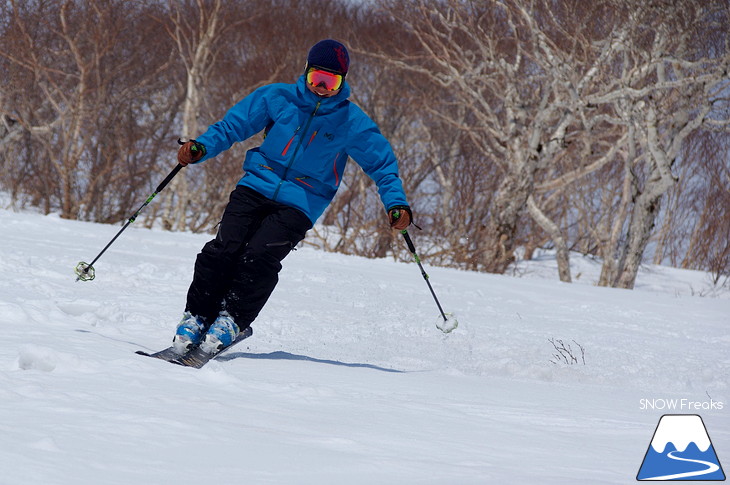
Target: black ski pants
column 238, row 270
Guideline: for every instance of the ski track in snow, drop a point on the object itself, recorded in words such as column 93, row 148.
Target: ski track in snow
column 346, row 379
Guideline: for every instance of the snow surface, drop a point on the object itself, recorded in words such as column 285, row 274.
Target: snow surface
column 346, row 378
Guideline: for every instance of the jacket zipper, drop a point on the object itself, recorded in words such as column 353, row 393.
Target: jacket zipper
column 296, row 150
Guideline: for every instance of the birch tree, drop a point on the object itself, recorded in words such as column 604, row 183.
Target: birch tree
column 557, row 91
column 671, row 75
column 68, row 98
column 513, row 67
column 196, row 28
column 695, row 228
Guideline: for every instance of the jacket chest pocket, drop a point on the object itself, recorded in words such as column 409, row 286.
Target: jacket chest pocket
column 326, row 137
column 281, row 136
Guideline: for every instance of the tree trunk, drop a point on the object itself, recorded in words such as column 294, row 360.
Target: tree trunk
column 640, row 230
column 561, row 248
column 507, row 208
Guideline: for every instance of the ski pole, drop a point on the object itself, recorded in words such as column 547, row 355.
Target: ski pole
column 86, row 271
column 450, row 322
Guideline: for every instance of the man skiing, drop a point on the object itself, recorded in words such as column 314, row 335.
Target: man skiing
column 310, row 129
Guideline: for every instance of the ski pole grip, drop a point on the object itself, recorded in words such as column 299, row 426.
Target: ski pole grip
column 169, row 177
column 409, row 242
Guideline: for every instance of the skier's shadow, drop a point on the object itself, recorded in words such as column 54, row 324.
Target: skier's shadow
column 279, row 355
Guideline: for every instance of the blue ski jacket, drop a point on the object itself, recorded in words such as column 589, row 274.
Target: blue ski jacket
column 307, row 141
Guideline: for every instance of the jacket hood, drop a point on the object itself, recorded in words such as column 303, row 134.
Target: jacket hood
column 327, row 104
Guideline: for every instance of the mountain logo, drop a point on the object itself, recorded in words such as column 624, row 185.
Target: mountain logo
column 681, row 450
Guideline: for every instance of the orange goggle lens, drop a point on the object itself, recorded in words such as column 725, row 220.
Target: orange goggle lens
column 330, row 80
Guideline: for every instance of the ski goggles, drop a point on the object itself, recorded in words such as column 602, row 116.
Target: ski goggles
column 331, row 81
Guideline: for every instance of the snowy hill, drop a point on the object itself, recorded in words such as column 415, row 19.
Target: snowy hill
column 346, row 379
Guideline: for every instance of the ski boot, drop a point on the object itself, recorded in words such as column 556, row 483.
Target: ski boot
column 220, row 335
column 189, row 332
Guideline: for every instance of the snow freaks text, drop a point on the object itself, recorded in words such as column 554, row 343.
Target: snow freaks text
column 679, row 405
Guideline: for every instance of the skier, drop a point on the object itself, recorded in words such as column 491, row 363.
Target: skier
column 310, row 129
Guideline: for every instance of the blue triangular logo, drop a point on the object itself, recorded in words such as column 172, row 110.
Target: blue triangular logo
column 681, row 450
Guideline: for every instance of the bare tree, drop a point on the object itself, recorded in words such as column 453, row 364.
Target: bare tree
column 666, row 86
column 593, row 126
column 556, row 92
column 76, row 72
column 197, row 29
column 517, row 72
column 696, row 226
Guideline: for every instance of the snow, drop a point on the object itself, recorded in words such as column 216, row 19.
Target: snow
column 346, row 378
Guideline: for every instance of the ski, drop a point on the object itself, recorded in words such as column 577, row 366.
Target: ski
column 195, row 357
column 168, row 354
